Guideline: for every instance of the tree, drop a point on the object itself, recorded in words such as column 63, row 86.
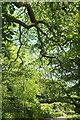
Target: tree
column 46, row 42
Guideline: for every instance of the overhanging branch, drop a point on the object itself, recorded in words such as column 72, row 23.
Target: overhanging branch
column 13, row 19
column 31, row 14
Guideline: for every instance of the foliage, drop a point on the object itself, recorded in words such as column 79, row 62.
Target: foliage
column 41, row 59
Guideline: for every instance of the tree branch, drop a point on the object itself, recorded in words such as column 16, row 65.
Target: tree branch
column 20, row 43
column 31, row 14
column 13, row 19
column 19, row 47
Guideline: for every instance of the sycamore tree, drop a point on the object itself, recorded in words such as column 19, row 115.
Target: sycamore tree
column 41, row 58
